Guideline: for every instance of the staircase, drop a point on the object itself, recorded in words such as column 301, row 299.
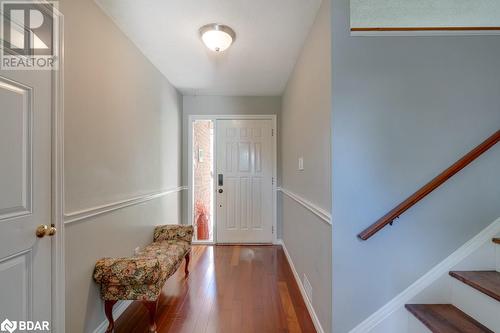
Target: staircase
column 459, row 295
column 477, row 291
column 470, row 302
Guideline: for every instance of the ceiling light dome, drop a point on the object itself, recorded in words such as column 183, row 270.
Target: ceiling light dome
column 217, row 37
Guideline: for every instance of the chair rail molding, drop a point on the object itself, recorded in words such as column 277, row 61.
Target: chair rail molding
column 318, row 211
column 109, row 207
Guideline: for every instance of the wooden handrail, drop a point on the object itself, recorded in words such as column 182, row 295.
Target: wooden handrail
column 430, row 186
column 425, row 29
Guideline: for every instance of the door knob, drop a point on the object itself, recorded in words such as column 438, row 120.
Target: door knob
column 221, row 190
column 52, row 230
column 44, row 230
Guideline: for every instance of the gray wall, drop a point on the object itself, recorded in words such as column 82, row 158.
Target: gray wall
column 404, row 109
column 305, row 131
column 122, row 139
column 220, row 105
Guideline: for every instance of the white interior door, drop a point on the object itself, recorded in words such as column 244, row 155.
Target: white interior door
column 25, row 195
column 244, row 181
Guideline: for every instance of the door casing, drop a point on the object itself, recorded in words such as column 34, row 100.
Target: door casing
column 57, row 320
column 214, row 118
column 58, row 247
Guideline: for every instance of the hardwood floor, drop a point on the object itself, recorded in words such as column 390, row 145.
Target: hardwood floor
column 230, row 289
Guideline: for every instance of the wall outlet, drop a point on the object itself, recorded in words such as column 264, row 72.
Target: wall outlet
column 136, row 250
column 307, row 287
column 301, row 163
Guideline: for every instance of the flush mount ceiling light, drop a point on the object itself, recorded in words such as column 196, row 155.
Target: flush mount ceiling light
column 217, row 37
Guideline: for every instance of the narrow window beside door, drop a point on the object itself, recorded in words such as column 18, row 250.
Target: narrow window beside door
column 203, row 173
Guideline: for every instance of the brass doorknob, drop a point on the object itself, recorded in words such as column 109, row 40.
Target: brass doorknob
column 52, row 230
column 44, row 230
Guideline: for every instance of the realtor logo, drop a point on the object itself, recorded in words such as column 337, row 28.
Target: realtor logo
column 29, row 35
column 24, row 326
column 8, row 326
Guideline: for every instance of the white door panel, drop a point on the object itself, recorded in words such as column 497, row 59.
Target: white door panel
column 15, row 149
column 245, row 161
column 25, row 194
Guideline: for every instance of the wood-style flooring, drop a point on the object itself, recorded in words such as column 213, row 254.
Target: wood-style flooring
column 233, row 289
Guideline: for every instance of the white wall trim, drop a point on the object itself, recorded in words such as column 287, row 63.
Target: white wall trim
column 426, row 280
column 99, row 210
column 57, row 192
column 118, row 310
column 320, row 212
column 308, row 303
column 418, row 33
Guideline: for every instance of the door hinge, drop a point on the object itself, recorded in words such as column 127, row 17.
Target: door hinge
column 272, row 180
column 272, row 132
column 272, row 229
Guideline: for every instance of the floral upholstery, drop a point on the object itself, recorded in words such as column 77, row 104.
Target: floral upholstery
column 143, row 276
column 169, row 254
column 141, row 292
column 126, row 271
column 174, row 232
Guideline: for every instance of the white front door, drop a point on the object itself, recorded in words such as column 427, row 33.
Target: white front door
column 25, row 195
column 244, row 181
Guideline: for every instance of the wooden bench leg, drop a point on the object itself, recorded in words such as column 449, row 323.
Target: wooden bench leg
column 186, row 269
column 108, row 309
column 152, row 306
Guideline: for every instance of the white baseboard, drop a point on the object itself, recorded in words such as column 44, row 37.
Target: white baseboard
column 309, row 306
column 118, row 309
column 426, row 280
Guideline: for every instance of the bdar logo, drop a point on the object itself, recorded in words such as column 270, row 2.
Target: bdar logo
column 8, row 326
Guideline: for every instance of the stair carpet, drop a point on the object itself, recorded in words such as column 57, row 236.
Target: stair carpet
column 446, row 318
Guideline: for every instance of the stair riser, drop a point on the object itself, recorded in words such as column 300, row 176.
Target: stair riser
column 481, row 260
column 398, row 323
column 415, row 325
column 481, row 307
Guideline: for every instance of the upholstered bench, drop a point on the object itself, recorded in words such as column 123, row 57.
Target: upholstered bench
column 142, row 276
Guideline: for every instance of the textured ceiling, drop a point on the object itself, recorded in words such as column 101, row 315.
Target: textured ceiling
column 269, row 37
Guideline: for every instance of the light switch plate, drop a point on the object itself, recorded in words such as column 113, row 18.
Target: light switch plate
column 301, row 163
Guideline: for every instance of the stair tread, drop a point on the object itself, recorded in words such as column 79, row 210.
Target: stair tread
column 445, row 318
column 496, row 240
column 487, row 282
